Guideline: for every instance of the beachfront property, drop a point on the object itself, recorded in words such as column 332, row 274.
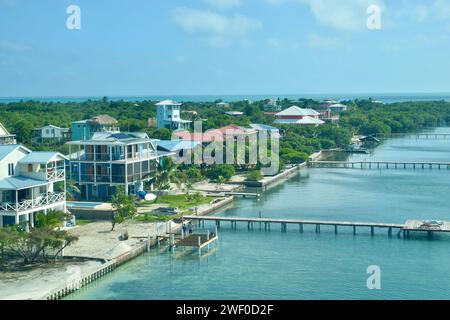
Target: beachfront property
column 168, row 116
column 85, row 129
column 50, row 134
column 30, row 182
column 230, row 132
column 111, row 160
column 298, row 116
column 5, row 136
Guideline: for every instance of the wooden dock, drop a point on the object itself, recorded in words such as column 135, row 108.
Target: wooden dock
column 406, row 228
column 243, row 194
column 380, row 164
column 424, row 136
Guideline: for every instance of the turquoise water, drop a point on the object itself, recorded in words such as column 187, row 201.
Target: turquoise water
column 293, row 265
column 386, row 98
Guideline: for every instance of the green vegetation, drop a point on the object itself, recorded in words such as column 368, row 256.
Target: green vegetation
column 226, row 171
column 182, row 201
column 42, row 243
column 363, row 117
column 124, row 207
column 254, row 176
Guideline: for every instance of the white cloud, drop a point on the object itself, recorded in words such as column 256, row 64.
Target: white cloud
column 338, row 14
column 223, row 4
column 208, row 22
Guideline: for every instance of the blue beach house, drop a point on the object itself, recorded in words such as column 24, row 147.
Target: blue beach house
column 85, row 129
column 168, row 116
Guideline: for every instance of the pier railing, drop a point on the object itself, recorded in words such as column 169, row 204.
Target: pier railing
column 380, row 164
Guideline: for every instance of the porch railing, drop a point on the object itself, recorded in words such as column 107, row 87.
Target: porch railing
column 38, row 202
column 54, row 174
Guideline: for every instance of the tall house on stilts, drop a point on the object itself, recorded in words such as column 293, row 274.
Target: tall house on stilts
column 30, row 182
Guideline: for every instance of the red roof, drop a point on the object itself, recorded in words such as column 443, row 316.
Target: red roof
column 214, row 134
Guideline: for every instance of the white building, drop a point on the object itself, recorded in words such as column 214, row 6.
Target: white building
column 168, row 116
column 298, row 116
column 337, row 107
column 5, row 136
column 30, row 182
column 51, row 133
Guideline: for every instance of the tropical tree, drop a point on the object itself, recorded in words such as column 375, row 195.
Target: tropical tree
column 167, row 173
column 124, row 207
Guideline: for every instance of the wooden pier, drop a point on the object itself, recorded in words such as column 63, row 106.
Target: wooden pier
column 198, row 240
column 406, row 228
column 243, row 194
column 423, row 136
column 380, row 164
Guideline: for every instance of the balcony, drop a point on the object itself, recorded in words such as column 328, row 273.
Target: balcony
column 32, row 204
column 55, row 174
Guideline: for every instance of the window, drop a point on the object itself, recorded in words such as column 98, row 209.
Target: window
column 30, row 167
column 10, row 169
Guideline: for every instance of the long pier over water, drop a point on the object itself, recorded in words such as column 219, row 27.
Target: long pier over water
column 406, row 228
column 380, row 164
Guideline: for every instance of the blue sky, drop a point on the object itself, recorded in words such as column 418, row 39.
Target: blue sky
column 161, row 47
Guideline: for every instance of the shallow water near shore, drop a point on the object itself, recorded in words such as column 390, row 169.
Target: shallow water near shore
column 293, row 265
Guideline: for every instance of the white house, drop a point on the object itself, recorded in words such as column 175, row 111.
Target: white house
column 298, row 116
column 30, row 182
column 168, row 116
column 51, row 133
column 337, row 107
column 5, row 136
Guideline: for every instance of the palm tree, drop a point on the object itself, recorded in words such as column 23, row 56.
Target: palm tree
column 165, row 176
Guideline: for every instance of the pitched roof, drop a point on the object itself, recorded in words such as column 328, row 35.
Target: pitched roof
column 3, row 130
column 215, row 134
column 176, row 145
column 20, row 182
column 297, row 111
column 103, row 119
column 168, row 102
column 304, row 121
column 259, row 127
column 42, row 157
column 8, row 148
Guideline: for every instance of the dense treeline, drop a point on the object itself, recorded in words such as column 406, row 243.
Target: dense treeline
column 363, row 117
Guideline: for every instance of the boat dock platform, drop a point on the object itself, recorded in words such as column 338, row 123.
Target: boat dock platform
column 198, row 240
column 380, row 164
column 406, row 228
column 243, row 194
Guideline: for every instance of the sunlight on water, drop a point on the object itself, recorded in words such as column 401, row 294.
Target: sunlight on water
column 294, row 265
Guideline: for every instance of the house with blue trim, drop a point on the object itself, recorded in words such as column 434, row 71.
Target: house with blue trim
column 168, row 116
column 30, row 182
column 111, row 160
column 85, row 129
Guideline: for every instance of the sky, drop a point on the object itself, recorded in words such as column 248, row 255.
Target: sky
column 223, row 47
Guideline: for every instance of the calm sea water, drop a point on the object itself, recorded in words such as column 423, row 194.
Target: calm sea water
column 385, row 98
column 293, row 265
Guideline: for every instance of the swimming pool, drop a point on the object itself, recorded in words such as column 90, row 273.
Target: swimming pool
column 78, row 204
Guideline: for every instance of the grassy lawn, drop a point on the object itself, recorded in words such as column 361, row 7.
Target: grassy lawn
column 83, row 222
column 180, row 201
